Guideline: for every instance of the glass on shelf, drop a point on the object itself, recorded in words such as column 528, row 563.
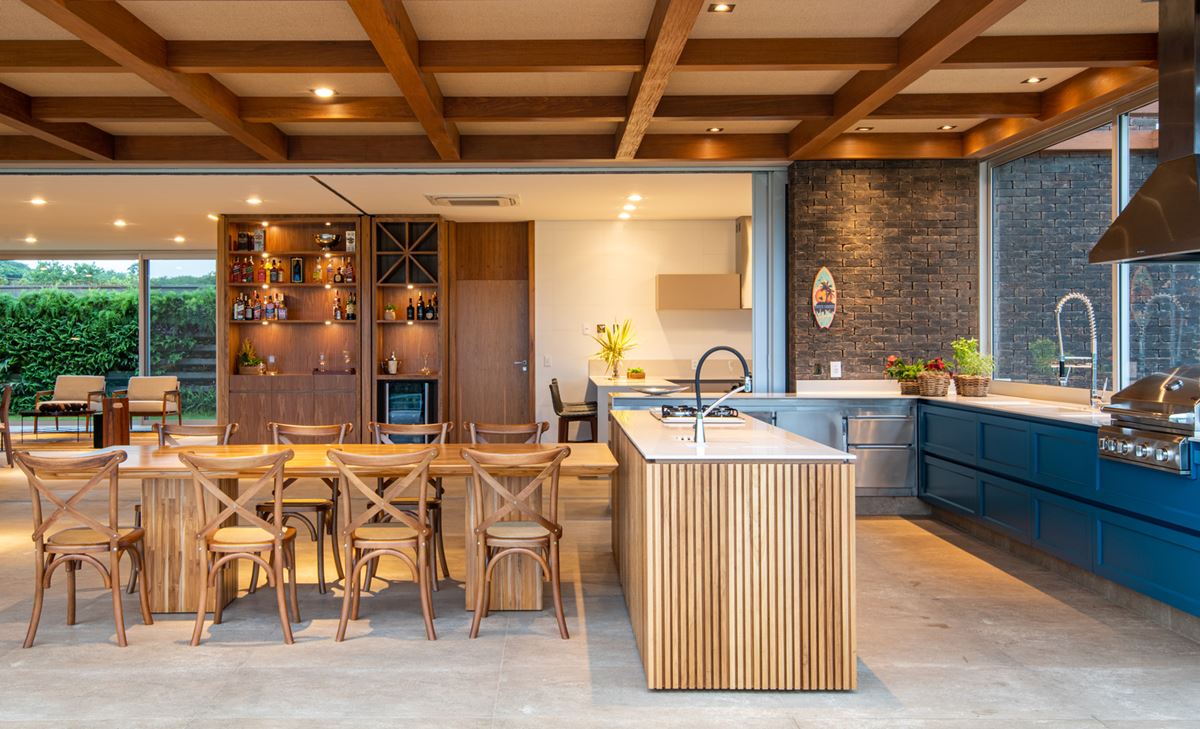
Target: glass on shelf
column 322, row 362
column 272, row 365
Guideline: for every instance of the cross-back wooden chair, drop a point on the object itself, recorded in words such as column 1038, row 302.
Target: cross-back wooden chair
column 75, row 546
column 225, row 544
column 365, row 538
column 504, row 432
column 433, row 434
column 536, row 532
column 168, row 435
column 5, row 427
column 323, row 511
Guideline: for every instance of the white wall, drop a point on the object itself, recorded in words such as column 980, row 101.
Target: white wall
column 600, row 272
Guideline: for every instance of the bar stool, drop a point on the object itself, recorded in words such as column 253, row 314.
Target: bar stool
column 433, row 434
column 324, row 511
column 79, row 545
column 534, row 534
column 225, row 544
column 366, row 538
column 501, row 433
column 572, row 412
column 168, row 437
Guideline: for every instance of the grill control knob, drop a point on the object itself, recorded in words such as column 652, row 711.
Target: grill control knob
column 1140, row 451
column 1160, row 454
column 1126, row 447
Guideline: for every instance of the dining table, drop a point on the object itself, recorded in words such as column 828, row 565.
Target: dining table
column 171, row 520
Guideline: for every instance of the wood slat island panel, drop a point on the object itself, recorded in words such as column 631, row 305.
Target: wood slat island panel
column 737, row 575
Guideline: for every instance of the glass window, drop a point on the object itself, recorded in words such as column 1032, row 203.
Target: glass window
column 1163, row 324
column 1048, row 209
column 182, row 330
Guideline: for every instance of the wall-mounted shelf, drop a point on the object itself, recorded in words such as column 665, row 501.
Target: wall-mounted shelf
column 269, row 285
column 329, row 322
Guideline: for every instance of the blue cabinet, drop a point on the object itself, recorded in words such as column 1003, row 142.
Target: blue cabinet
column 1004, row 445
column 1006, row 505
column 1062, row 527
column 1162, row 496
column 1065, row 459
column 949, row 485
column 1162, row 563
column 950, row 433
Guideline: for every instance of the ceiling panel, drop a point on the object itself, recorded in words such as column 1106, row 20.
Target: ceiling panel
column 79, row 84
column 1051, row 17
column 158, row 207
column 757, row 82
column 301, row 84
column 161, row 128
column 926, row 126
column 988, row 80
column 20, row 22
column 351, row 127
column 235, row 20
column 547, row 127
column 534, row 84
column 729, row 127
column 493, row 19
column 811, row 18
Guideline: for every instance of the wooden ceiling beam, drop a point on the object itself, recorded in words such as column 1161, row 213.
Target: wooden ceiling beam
column 670, row 25
column 112, row 30
column 535, row 108
column 1078, row 96
column 110, row 108
column 23, row 148
column 76, row 137
column 944, row 29
column 788, row 54
column 959, row 106
column 391, row 32
column 274, row 57
column 348, row 108
column 532, row 56
column 1062, row 51
column 778, row 107
column 893, row 146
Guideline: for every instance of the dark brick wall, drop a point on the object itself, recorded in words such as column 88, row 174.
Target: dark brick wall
column 901, row 239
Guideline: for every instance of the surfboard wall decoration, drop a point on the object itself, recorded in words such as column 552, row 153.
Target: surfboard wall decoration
column 824, row 298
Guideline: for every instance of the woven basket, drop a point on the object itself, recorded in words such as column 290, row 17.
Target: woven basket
column 972, row 385
column 933, row 385
column 910, row 387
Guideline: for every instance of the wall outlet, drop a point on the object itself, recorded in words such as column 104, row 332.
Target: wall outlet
column 835, row 370
column 546, row 361
column 586, row 329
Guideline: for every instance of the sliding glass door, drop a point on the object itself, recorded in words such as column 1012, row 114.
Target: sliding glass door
column 181, row 333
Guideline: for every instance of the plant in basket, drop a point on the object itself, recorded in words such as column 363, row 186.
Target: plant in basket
column 934, row 380
column 249, row 363
column 906, row 373
column 972, row 370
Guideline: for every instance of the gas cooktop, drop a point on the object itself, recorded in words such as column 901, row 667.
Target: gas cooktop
column 686, row 415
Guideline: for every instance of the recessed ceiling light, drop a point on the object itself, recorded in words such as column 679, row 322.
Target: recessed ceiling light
column 180, row 239
column 623, row 216
column 212, row 217
column 721, row 7
column 38, row 201
column 254, row 200
column 634, row 198
column 629, row 206
column 947, row 127
column 714, row 130
column 1034, row 80
column 323, row 92
column 30, row 239
column 265, row 223
column 327, row 223
column 863, row 129
column 120, row 223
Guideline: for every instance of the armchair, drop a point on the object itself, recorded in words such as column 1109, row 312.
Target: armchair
column 154, row 396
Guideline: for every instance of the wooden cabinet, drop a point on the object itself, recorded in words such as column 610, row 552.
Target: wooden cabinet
column 254, row 401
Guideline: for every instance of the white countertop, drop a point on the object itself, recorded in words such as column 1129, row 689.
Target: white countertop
column 753, row 441
column 610, row 383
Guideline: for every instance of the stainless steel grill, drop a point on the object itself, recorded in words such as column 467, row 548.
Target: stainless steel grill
column 1154, row 421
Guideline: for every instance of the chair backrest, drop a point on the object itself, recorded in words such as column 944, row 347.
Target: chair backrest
column 151, row 388
column 382, row 433
column 502, row 433
column 168, row 434
column 96, row 468
column 399, row 472
column 487, row 466
column 209, row 471
column 76, row 387
column 5, row 402
column 287, row 433
column 556, row 396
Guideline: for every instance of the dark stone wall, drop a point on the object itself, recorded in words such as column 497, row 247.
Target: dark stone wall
column 901, row 239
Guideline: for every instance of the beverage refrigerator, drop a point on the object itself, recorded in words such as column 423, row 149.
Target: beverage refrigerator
column 408, row 402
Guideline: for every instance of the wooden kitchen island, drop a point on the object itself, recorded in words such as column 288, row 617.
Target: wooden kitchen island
column 737, row 557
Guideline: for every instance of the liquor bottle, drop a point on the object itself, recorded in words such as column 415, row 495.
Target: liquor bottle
column 269, row 308
column 260, row 240
column 317, row 277
column 281, row 311
column 420, row 306
column 429, row 315
column 436, row 312
column 274, row 271
column 339, row 277
column 237, row 308
column 235, row 271
column 337, row 307
column 409, row 311
column 328, row 270
column 258, row 310
column 351, row 307
column 260, row 272
column 349, row 271
column 297, row 270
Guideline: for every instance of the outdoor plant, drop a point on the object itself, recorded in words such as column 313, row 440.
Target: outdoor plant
column 937, row 367
column 898, row 369
column 614, row 342
column 247, row 357
column 636, row 371
column 968, row 361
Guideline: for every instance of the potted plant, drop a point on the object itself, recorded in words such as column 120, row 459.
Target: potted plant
column 614, row 342
column 905, row 373
column 389, row 312
column 635, row 373
column 249, row 363
column 972, row 370
column 934, row 380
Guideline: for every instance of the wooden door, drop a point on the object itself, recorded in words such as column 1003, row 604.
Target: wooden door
column 492, row 357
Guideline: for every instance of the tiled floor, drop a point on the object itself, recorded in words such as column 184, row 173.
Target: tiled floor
column 951, row 633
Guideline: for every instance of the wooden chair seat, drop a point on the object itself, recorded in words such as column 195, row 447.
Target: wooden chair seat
column 368, row 536
column 81, row 538
column 411, row 501
column 312, row 504
column 517, row 530
column 243, row 538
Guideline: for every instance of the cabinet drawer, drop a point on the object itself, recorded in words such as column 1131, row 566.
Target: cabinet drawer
column 1006, row 506
column 1004, row 445
column 1065, row 459
column 1151, row 559
column 949, row 433
column 1167, row 497
column 1063, row 528
column 949, row 485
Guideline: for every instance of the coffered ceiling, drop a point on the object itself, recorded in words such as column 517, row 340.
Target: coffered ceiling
column 461, row 82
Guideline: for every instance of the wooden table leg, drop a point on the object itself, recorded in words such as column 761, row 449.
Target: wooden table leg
column 516, row 581
column 171, row 520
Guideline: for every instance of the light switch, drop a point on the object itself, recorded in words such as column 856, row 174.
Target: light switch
column 546, row 361
column 587, row 329
column 835, row 370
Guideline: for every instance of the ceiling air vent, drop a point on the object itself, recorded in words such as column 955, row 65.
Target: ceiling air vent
column 474, row 201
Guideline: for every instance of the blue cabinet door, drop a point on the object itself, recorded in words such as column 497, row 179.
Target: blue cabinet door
column 1062, row 527
column 1160, row 562
column 1006, row 505
column 950, row 433
column 949, row 485
column 1065, row 459
column 1166, row 497
column 1004, row 445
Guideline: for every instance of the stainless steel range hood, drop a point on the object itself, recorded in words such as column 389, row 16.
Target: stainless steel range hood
column 1162, row 221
